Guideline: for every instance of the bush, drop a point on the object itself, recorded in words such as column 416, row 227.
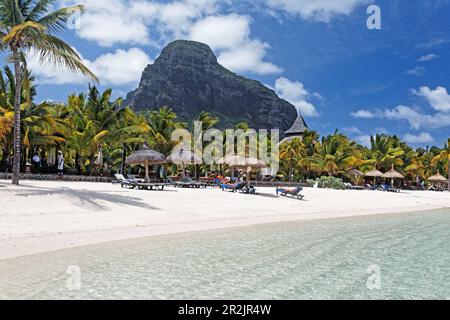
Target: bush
column 328, row 182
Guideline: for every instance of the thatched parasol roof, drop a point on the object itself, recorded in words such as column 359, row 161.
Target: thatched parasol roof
column 236, row 161
column 437, row 178
column 144, row 155
column 393, row 174
column 374, row 173
column 184, row 157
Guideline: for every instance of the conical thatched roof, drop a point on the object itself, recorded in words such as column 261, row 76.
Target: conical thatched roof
column 393, row 174
column 374, row 173
column 298, row 128
column 437, row 178
column 184, row 157
column 146, row 154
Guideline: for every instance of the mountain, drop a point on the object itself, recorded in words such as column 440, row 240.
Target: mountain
column 188, row 78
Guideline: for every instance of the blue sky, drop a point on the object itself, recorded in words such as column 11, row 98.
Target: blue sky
column 318, row 54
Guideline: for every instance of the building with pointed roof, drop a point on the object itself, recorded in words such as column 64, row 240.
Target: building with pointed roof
column 297, row 130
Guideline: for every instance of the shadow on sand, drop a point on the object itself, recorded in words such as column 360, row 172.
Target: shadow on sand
column 87, row 197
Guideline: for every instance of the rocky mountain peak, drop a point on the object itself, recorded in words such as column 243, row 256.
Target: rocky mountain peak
column 188, row 78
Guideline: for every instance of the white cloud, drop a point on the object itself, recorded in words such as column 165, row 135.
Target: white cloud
column 119, row 68
column 141, row 22
column 322, row 10
column 363, row 114
column 352, row 130
column 423, row 137
column 417, row 71
column 364, row 140
column 112, row 22
column 439, row 98
column 414, row 117
column 295, row 93
column 229, row 36
column 428, row 57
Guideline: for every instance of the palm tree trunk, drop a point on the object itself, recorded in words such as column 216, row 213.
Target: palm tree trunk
column 124, row 158
column 17, row 98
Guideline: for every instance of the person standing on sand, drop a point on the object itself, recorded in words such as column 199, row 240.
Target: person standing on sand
column 60, row 164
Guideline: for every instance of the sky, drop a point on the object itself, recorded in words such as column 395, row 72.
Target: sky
column 319, row 55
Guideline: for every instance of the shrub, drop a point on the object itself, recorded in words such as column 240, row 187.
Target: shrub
column 328, row 182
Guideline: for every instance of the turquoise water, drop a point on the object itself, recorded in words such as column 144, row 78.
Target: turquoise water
column 306, row 260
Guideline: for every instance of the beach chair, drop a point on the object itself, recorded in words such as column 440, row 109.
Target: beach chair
column 118, row 178
column 195, row 184
column 150, row 185
column 349, row 186
column 234, row 187
column 124, row 182
column 292, row 192
column 388, row 188
column 179, row 184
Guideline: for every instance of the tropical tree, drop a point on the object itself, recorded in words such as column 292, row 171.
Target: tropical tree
column 29, row 27
column 442, row 161
column 384, row 152
column 336, row 154
column 91, row 119
column 40, row 126
column 292, row 152
column 162, row 123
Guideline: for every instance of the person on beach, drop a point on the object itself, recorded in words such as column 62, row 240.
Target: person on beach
column 60, row 164
column 37, row 163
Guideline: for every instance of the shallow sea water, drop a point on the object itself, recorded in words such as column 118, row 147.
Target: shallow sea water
column 403, row 256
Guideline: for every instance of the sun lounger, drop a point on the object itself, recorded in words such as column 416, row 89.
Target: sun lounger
column 194, row 183
column 124, row 182
column 388, row 188
column 234, row 187
column 118, row 178
column 293, row 192
column 179, row 184
column 150, row 186
column 349, row 186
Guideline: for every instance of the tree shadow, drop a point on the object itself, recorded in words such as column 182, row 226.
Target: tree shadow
column 87, row 197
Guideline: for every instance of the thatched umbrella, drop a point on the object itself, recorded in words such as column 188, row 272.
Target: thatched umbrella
column 438, row 178
column 247, row 164
column 374, row 174
column 147, row 157
column 184, row 157
column 393, row 174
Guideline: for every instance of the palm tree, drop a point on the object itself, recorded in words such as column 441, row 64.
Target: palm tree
column 40, row 126
column 91, row 120
column 130, row 129
column 162, row 123
column 28, row 26
column 292, row 152
column 384, row 152
column 336, row 154
column 443, row 160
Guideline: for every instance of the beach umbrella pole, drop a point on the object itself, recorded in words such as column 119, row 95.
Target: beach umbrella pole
column 147, row 175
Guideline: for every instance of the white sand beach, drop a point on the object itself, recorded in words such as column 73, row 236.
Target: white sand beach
column 46, row 216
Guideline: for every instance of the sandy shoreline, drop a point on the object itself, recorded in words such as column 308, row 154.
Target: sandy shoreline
column 41, row 216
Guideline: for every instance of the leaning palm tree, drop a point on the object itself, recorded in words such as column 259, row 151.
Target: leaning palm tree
column 28, row 26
